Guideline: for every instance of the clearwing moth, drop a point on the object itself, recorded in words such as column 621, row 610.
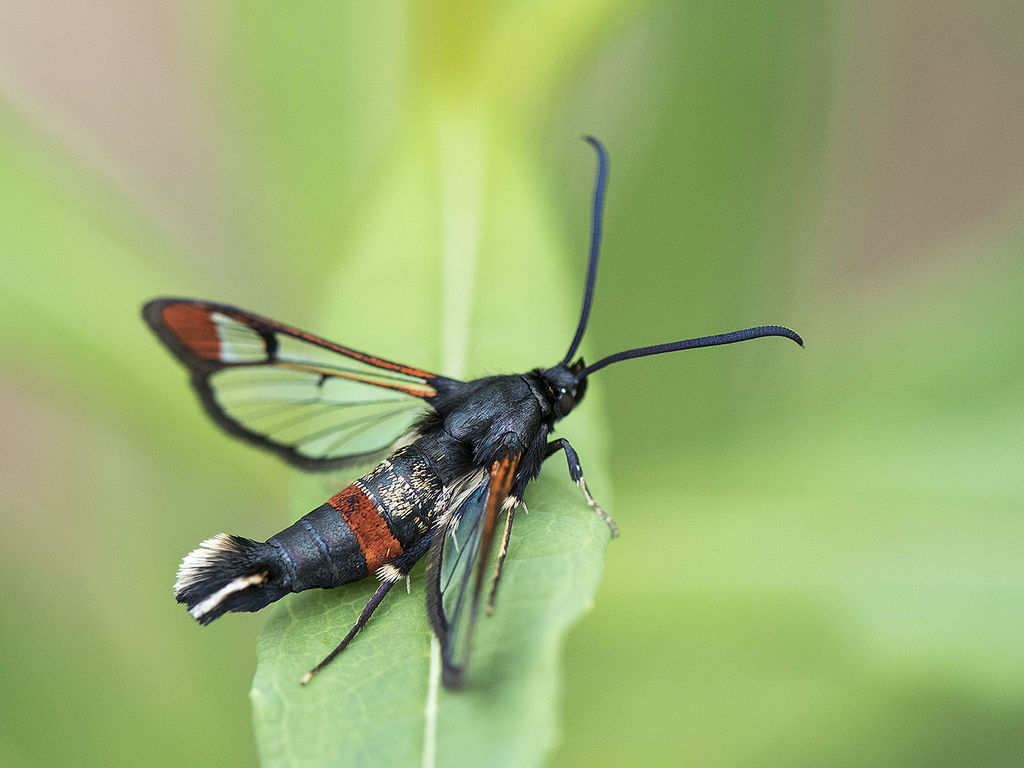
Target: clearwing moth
column 453, row 456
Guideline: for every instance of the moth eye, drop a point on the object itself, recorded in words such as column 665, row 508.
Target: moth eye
column 565, row 401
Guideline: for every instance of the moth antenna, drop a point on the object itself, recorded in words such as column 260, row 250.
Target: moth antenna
column 600, row 183
column 703, row 341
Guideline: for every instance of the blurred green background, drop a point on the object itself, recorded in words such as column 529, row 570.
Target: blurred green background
column 821, row 551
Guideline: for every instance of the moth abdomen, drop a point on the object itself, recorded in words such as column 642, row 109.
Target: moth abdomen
column 366, row 525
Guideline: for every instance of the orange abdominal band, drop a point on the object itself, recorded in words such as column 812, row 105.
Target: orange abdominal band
column 370, row 529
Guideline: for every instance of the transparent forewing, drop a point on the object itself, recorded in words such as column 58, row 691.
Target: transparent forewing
column 300, row 354
column 319, row 417
column 458, row 567
column 316, row 403
column 459, row 574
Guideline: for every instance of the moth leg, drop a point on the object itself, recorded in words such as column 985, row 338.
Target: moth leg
column 364, row 617
column 576, row 473
column 511, row 503
column 389, row 574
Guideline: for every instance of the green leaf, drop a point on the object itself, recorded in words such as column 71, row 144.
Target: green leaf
column 379, row 703
column 375, row 705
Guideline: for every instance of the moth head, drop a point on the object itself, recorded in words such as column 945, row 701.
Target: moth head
column 566, row 387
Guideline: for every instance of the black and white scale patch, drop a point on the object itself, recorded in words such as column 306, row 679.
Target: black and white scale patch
column 404, row 488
